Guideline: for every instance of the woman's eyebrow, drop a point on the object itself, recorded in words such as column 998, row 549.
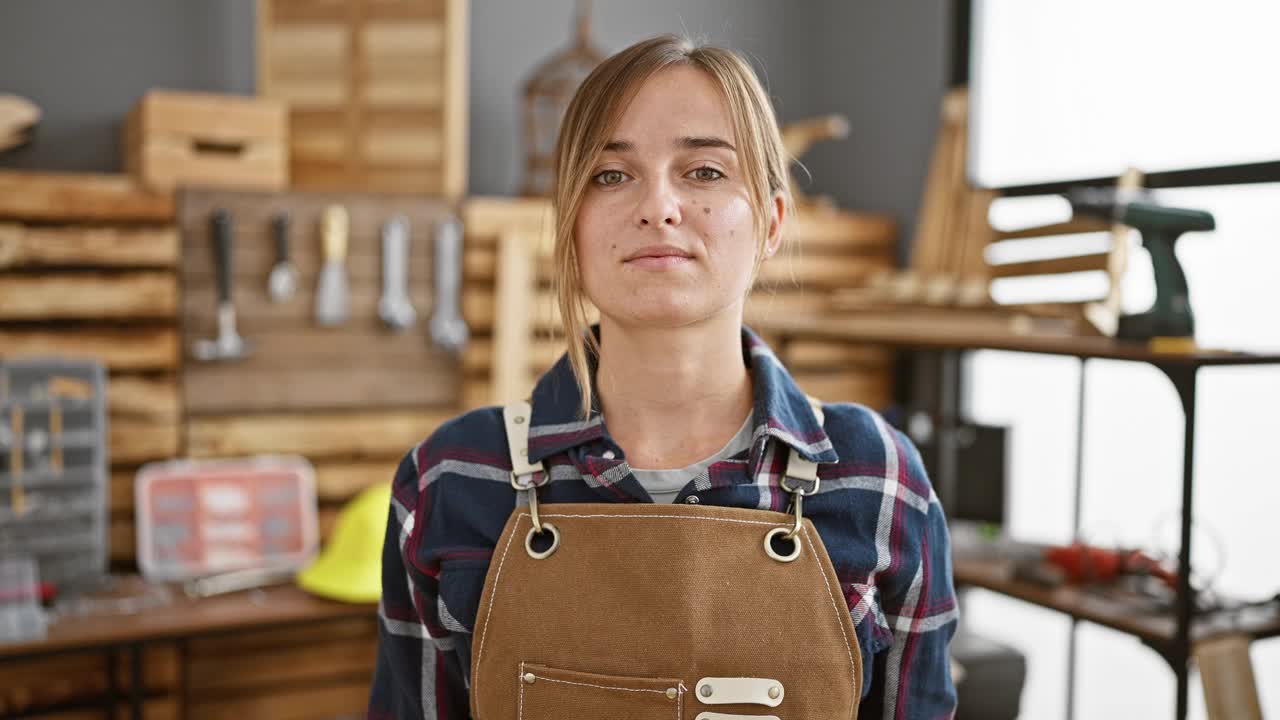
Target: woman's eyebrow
column 696, row 143
column 684, row 143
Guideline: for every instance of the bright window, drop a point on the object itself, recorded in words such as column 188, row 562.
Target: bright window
column 1082, row 89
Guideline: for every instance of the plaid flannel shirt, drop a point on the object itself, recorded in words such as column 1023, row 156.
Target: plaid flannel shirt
column 876, row 512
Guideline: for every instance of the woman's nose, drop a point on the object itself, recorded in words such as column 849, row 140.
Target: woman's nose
column 659, row 206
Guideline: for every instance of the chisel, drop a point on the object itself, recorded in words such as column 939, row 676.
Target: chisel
column 331, row 290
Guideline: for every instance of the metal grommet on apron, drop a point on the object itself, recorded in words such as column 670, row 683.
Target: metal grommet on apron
column 640, row 610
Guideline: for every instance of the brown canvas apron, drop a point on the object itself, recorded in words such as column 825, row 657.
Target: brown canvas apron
column 611, row 611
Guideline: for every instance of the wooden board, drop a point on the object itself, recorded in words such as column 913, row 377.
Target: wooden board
column 80, row 197
column 297, row 364
column 141, row 347
column 347, row 697
column 89, row 296
column 321, row 659
column 377, row 92
column 872, row 388
column 144, row 398
column 365, row 434
column 134, row 441
column 33, row 246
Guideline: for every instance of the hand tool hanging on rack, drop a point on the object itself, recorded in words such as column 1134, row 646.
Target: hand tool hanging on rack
column 1170, row 317
column 228, row 345
column 394, row 308
column 332, row 305
column 283, row 280
column 448, row 329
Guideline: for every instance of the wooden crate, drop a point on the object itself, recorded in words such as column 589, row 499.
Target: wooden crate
column 207, row 140
column 376, row 89
column 88, row 268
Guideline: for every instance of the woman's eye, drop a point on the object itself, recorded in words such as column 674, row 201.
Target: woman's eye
column 707, row 174
column 610, row 177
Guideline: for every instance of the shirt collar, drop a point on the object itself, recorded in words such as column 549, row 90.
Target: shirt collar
column 780, row 406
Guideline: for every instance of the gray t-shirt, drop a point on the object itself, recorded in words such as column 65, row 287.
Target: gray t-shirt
column 665, row 485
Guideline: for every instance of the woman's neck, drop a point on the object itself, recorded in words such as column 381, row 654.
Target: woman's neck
column 673, row 396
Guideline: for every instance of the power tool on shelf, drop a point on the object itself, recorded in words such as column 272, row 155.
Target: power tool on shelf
column 1170, row 318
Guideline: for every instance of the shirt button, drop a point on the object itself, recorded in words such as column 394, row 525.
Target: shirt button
column 608, row 455
column 692, row 500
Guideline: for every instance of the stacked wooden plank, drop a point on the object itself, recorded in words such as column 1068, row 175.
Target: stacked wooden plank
column 376, row 91
column 826, row 251
column 510, row 305
column 88, row 268
column 954, row 256
column 507, row 298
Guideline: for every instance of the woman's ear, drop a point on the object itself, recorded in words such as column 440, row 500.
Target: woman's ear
column 777, row 213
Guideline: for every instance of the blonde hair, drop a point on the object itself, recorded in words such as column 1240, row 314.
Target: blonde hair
column 591, row 118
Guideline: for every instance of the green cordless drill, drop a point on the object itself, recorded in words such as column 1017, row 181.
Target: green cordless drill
column 1170, row 316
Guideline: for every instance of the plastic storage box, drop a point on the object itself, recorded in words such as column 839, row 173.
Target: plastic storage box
column 53, row 469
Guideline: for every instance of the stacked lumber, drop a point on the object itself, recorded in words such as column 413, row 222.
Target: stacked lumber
column 952, row 271
column 88, row 268
column 510, row 305
column 827, row 251
column 507, row 298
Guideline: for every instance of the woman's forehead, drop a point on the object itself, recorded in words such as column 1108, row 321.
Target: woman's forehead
column 670, row 107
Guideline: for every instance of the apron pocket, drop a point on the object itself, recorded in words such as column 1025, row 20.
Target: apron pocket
column 552, row 694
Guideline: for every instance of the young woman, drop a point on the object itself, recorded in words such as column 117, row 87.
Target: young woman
column 670, row 527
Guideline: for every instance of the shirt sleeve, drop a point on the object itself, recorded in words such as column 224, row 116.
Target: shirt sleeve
column 911, row 679
column 419, row 671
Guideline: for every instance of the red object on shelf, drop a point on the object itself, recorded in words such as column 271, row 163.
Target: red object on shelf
column 1086, row 563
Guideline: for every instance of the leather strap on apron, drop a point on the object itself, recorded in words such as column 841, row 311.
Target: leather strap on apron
column 639, row 610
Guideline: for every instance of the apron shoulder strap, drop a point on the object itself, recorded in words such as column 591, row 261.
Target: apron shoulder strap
column 802, row 475
column 516, row 417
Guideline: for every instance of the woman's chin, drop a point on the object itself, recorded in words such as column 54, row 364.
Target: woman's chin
column 659, row 314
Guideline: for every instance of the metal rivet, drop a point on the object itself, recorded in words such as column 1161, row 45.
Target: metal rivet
column 672, row 693
column 705, row 691
column 774, row 692
column 608, row 455
column 528, row 677
column 692, row 500
column 518, row 420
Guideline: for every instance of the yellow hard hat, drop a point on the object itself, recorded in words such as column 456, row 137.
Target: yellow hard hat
column 349, row 567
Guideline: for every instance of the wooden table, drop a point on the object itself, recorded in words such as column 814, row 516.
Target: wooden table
column 182, row 618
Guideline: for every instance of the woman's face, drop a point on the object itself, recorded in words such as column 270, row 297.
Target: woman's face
column 665, row 235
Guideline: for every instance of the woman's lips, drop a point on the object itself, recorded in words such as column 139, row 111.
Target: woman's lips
column 659, row 262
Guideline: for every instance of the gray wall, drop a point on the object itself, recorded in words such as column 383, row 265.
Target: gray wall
column 882, row 64
column 85, row 63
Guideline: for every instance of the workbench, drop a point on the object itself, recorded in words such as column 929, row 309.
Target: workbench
column 124, row 638
column 1174, row 636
